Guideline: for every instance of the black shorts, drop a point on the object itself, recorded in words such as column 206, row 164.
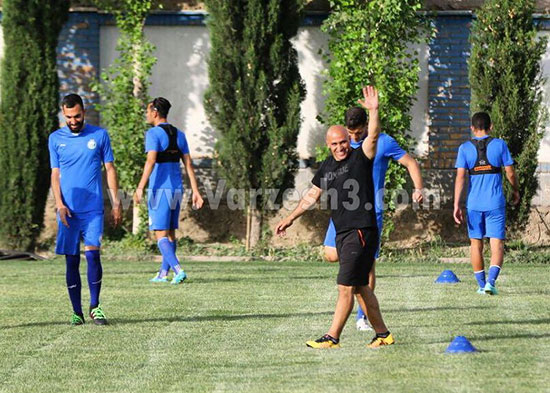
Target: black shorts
column 356, row 250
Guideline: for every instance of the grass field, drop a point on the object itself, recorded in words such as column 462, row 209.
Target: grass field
column 242, row 327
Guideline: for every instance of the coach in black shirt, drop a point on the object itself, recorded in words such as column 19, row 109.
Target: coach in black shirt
column 347, row 178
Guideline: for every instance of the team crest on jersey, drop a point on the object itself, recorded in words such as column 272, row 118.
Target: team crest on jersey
column 91, row 144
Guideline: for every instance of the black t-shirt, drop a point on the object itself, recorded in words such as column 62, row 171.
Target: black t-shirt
column 350, row 190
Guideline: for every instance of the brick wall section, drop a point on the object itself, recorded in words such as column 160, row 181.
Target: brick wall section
column 449, row 90
column 78, row 58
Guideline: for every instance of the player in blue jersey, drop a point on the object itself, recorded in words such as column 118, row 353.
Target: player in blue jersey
column 77, row 152
column 166, row 146
column 387, row 148
column 482, row 158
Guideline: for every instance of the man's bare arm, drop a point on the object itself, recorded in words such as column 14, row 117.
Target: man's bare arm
column 459, row 187
column 416, row 175
column 310, row 199
column 147, row 170
column 513, row 179
column 196, row 197
column 62, row 210
column 112, row 184
column 370, row 103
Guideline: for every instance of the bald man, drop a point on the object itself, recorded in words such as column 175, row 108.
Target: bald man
column 347, row 177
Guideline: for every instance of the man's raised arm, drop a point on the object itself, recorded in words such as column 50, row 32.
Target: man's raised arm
column 370, row 103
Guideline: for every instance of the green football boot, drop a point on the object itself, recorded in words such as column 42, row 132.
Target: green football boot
column 77, row 319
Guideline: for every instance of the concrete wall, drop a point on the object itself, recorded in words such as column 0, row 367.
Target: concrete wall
column 181, row 76
column 543, row 195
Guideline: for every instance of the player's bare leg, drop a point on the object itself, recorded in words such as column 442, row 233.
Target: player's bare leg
column 476, row 258
column 497, row 251
column 497, row 256
column 344, row 305
column 362, row 321
column 476, row 254
column 368, row 301
column 331, row 255
column 372, row 276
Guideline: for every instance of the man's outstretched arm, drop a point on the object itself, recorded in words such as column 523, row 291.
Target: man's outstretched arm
column 310, row 199
column 416, row 175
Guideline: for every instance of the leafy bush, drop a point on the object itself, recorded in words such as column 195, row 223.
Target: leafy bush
column 123, row 91
column 254, row 97
column 28, row 113
column 506, row 81
column 369, row 43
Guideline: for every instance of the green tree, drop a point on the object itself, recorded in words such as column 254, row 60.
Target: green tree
column 28, row 113
column 369, row 43
column 506, row 81
column 254, row 97
column 123, row 91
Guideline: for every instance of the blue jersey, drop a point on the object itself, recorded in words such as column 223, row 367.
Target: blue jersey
column 485, row 191
column 79, row 157
column 165, row 175
column 386, row 148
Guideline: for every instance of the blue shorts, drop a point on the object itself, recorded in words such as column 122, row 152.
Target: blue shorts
column 87, row 226
column 164, row 208
column 491, row 224
column 330, row 236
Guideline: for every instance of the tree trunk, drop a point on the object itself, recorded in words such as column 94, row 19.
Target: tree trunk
column 255, row 227
column 137, row 92
column 247, row 238
column 136, row 220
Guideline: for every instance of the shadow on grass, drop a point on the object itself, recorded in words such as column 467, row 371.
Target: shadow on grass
column 500, row 337
column 442, row 308
column 537, row 292
column 508, row 322
column 248, row 279
column 206, row 318
column 405, row 275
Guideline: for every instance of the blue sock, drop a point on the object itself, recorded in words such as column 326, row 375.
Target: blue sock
column 74, row 285
column 360, row 313
column 167, row 250
column 494, row 271
column 480, row 277
column 95, row 273
column 165, row 266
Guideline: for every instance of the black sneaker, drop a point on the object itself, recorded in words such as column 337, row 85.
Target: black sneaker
column 97, row 315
